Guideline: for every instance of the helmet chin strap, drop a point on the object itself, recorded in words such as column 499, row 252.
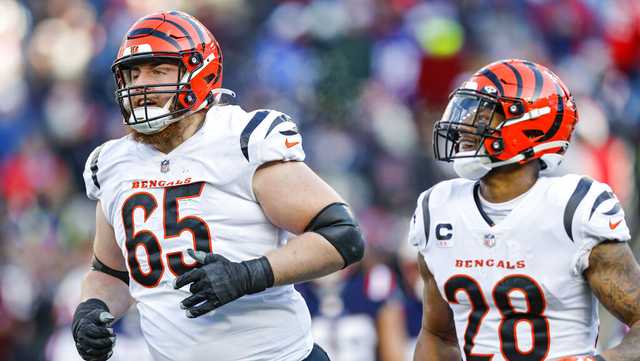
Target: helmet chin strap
column 162, row 113
column 474, row 168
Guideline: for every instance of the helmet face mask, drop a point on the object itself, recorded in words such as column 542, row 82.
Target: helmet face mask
column 159, row 100
column 469, row 120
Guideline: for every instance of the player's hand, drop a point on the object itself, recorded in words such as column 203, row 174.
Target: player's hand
column 219, row 281
column 92, row 332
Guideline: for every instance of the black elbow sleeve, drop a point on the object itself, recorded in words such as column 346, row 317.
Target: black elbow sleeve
column 97, row 265
column 336, row 223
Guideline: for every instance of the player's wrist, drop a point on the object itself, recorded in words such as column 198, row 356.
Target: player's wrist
column 259, row 275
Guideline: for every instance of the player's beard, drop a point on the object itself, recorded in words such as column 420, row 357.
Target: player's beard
column 172, row 131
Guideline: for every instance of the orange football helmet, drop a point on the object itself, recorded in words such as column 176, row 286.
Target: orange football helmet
column 177, row 38
column 539, row 117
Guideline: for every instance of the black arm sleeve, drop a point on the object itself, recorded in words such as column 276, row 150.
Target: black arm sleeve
column 97, row 265
column 336, row 223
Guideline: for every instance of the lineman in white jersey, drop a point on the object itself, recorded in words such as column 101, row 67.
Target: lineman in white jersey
column 514, row 260
column 194, row 206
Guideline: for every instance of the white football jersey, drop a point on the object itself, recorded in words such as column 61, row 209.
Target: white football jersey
column 516, row 288
column 200, row 196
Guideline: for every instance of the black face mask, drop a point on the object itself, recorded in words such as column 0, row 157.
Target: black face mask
column 126, row 91
column 464, row 126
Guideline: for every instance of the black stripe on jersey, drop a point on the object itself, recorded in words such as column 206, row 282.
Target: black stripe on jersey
column 476, row 199
column 155, row 33
column 494, row 79
column 279, row 120
column 615, row 209
column 426, row 217
column 538, row 77
column 94, row 166
column 578, row 195
column 518, row 79
column 248, row 130
column 601, row 198
column 97, row 265
column 288, row 132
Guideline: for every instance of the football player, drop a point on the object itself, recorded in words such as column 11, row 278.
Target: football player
column 193, row 212
column 512, row 259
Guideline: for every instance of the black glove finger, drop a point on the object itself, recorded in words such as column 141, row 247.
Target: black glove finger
column 192, row 301
column 199, row 256
column 198, row 287
column 188, row 277
column 91, row 330
column 205, row 258
column 106, row 357
column 98, row 343
column 81, row 347
column 214, row 257
column 96, row 352
column 99, row 358
column 200, row 310
column 88, row 353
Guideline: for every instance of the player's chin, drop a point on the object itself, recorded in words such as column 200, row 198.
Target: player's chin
column 170, row 132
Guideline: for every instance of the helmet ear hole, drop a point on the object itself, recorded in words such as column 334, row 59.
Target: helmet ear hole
column 209, row 78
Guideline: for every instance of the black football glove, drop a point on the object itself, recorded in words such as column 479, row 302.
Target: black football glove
column 91, row 330
column 219, row 281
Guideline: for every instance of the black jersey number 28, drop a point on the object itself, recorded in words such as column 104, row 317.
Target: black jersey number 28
column 173, row 224
column 534, row 316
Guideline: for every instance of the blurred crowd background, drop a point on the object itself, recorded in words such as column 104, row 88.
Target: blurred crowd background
column 364, row 80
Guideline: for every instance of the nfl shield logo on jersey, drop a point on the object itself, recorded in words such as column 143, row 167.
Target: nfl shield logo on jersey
column 164, row 166
column 489, row 240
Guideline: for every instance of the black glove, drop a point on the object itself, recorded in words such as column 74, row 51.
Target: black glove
column 219, row 281
column 91, row 330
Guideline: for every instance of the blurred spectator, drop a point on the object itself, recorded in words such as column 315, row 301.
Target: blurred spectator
column 354, row 315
